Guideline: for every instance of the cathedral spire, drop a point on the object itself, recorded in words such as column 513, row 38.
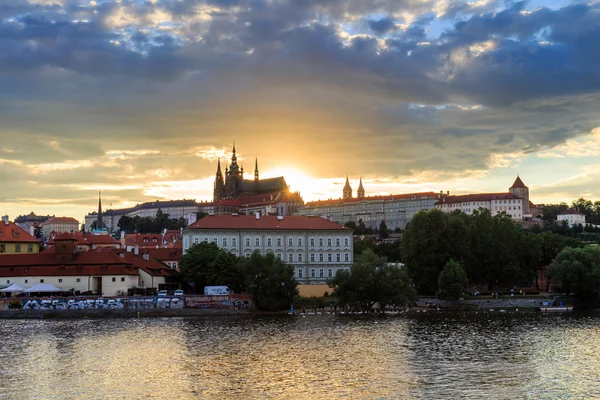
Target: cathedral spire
column 233, row 156
column 99, row 222
column 347, row 189
column 256, row 169
column 360, row 192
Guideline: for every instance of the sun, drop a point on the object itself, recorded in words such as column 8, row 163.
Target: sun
column 297, row 180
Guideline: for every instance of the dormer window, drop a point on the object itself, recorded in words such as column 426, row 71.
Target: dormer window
column 155, row 240
column 145, row 240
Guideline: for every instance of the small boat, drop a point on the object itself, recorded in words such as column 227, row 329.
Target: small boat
column 555, row 308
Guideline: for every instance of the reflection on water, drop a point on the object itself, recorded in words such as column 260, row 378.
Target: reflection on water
column 438, row 355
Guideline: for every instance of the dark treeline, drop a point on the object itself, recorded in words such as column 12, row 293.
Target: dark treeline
column 493, row 250
column 587, row 207
column 157, row 224
column 267, row 278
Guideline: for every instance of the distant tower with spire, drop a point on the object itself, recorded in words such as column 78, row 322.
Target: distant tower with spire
column 347, row 189
column 99, row 221
column 360, row 192
column 219, row 189
column 256, row 169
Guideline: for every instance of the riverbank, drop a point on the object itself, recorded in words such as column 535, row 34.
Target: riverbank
column 101, row 314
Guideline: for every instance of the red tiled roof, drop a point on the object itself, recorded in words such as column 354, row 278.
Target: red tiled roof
column 68, row 270
column 90, row 258
column 518, row 184
column 150, row 266
column 570, row 211
column 60, row 219
column 138, row 238
column 391, row 197
column 168, row 254
column 12, row 233
column 85, row 238
column 476, row 197
column 265, row 222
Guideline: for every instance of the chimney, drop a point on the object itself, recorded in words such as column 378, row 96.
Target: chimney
column 257, row 215
column 136, row 250
column 122, row 234
column 5, row 219
column 157, row 246
column 145, row 256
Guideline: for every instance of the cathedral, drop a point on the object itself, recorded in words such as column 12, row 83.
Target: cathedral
column 233, row 185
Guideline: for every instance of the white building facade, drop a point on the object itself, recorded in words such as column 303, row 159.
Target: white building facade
column 59, row 225
column 572, row 216
column 315, row 247
column 495, row 202
column 395, row 210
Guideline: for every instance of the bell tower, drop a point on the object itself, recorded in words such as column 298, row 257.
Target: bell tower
column 347, row 189
column 360, row 192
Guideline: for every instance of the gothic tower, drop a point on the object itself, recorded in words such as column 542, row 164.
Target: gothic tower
column 233, row 176
column 347, row 189
column 219, row 189
column 99, row 221
column 256, row 170
column 520, row 190
column 360, row 193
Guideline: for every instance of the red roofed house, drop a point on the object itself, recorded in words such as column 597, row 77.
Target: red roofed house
column 316, row 247
column 396, row 210
column 87, row 241
column 14, row 240
column 101, row 271
column 515, row 202
column 59, row 225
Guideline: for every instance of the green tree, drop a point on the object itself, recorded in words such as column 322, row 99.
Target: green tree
column 351, row 225
column 391, row 251
column 197, row 265
column 270, row 281
column 363, row 244
column 430, row 240
column 577, row 270
column 452, row 281
column 371, row 280
column 383, row 230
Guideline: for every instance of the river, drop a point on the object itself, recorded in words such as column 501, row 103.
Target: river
column 435, row 355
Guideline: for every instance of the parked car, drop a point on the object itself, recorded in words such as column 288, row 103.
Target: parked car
column 178, row 292
column 162, row 293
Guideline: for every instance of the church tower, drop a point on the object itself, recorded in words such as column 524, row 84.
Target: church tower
column 219, row 189
column 347, row 190
column 256, row 170
column 99, row 220
column 233, row 176
column 519, row 189
column 360, row 193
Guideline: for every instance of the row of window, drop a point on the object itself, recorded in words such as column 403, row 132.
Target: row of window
column 504, row 208
column 17, row 248
column 313, row 273
column 300, row 258
column 224, row 242
column 78, row 280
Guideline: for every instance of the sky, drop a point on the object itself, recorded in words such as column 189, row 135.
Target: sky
column 138, row 99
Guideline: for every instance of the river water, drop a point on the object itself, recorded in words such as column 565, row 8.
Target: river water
column 428, row 355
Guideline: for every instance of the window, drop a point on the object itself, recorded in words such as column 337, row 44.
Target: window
column 321, row 257
column 312, row 242
column 290, row 257
column 290, row 242
column 312, row 273
column 299, row 257
column 329, row 242
column 299, row 273
column 257, row 241
column 30, row 248
column 123, row 279
column 329, row 257
column 215, row 241
column 346, row 242
column 299, row 242
column 2, row 248
column 247, row 241
column 196, row 240
column 279, row 255
column 320, row 242
column 41, row 281
column 279, row 242
column 337, row 242
column 224, row 242
column 7, row 281
column 247, row 255
column 145, row 240
column 114, row 279
column 26, row 280
column 205, row 240
column 338, row 257
column 346, row 257
column 321, row 273
column 234, row 242
column 269, row 242
column 17, row 248
column 78, row 280
column 330, row 273
column 59, row 280
column 312, row 257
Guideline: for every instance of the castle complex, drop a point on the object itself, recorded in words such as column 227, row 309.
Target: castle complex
column 234, row 185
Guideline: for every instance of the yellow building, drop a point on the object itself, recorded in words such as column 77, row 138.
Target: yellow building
column 14, row 240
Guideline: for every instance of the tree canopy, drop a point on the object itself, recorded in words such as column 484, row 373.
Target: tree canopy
column 371, row 280
column 578, row 271
column 452, row 282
